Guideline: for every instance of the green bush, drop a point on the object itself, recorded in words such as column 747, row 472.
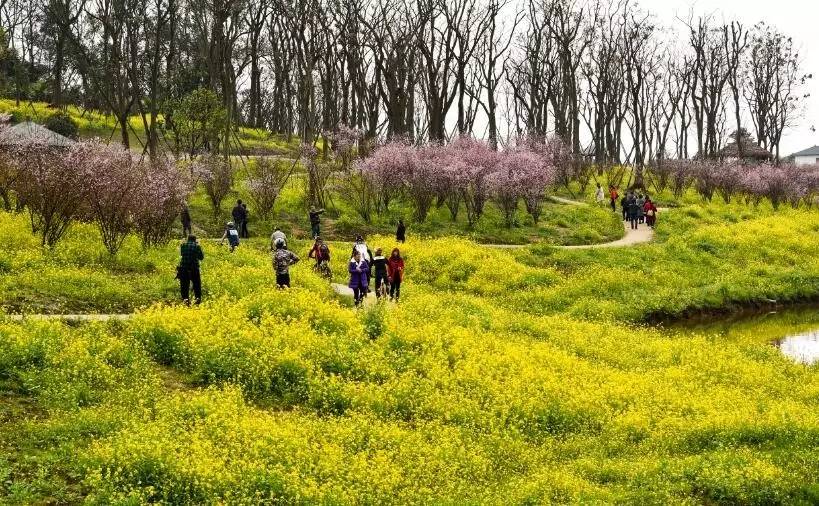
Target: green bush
column 63, row 124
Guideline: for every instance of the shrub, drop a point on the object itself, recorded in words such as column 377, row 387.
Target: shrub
column 267, row 179
column 216, row 174
column 62, row 123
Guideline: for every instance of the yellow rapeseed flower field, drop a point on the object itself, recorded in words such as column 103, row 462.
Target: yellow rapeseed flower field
column 503, row 377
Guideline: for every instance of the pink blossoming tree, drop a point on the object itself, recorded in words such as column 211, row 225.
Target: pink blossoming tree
column 51, row 188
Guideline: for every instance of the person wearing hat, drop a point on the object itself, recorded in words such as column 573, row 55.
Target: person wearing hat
column 188, row 270
column 315, row 220
column 276, row 236
column 232, row 235
column 282, row 260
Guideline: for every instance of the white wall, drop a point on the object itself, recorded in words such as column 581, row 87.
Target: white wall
column 806, row 160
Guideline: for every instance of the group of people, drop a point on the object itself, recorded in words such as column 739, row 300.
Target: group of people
column 240, row 216
column 636, row 207
column 363, row 265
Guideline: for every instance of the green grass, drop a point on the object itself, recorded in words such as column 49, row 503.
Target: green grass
column 104, row 126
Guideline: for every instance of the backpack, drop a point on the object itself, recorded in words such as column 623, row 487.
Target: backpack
column 324, row 251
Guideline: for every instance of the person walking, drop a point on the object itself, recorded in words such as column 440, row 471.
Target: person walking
column 276, row 236
column 232, row 235
column 282, row 260
column 624, row 205
column 315, row 220
column 243, row 231
column 366, row 255
column 188, row 270
column 381, row 278
column 401, row 232
column 321, row 253
column 633, row 209
column 185, row 217
column 395, row 273
column 599, row 196
column 613, row 195
column 359, row 277
column 641, row 201
column 238, row 214
column 650, row 211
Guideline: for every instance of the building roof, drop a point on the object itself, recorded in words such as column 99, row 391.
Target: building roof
column 814, row 151
column 28, row 131
column 749, row 150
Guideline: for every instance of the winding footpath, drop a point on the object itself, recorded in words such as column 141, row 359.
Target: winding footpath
column 642, row 234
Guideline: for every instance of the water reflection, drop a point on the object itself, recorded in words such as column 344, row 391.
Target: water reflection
column 793, row 330
column 803, row 348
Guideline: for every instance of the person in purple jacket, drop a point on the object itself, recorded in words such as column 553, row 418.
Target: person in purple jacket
column 359, row 269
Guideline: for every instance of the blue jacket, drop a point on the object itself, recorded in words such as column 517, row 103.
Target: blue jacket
column 358, row 273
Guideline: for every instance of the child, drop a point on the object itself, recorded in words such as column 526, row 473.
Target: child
column 232, row 235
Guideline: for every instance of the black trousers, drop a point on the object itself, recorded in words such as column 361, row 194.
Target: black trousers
column 243, row 230
column 186, row 229
column 188, row 277
column 395, row 288
column 380, row 279
column 359, row 293
column 283, row 280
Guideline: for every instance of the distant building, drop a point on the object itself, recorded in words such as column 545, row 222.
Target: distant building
column 808, row 156
column 751, row 150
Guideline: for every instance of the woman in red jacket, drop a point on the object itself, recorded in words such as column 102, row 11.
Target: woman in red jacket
column 650, row 211
column 395, row 273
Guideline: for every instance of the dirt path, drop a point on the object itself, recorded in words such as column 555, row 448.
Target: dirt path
column 641, row 235
column 346, row 291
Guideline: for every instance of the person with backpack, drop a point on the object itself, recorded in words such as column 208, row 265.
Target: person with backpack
column 359, row 277
column 395, row 273
column 232, row 235
column 380, row 268
column 188, row 270
column 315, row 220
column 633, row 211
column 641, row 201
column 650, row 211
column 282, row 260
column 321, row 253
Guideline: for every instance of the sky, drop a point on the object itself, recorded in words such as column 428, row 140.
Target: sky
column 796, row 18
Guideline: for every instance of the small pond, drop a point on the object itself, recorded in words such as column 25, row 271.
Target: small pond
column 794, row 330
